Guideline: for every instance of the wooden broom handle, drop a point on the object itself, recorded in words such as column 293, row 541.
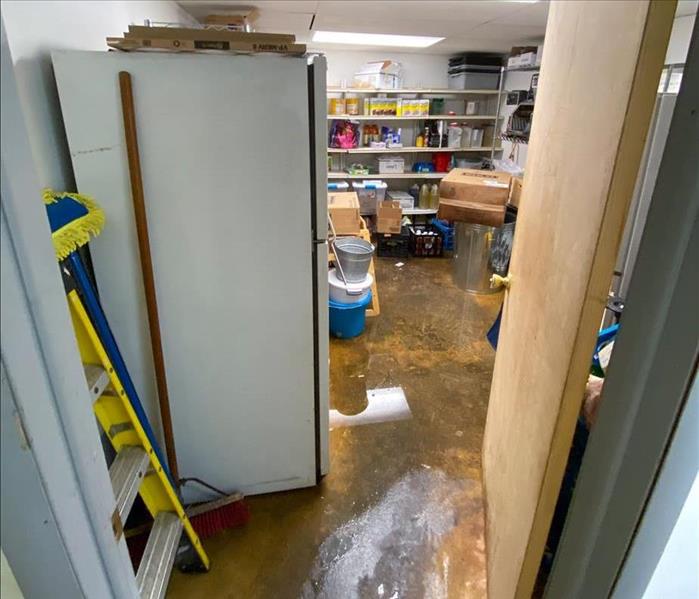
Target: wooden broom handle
column 128, row 111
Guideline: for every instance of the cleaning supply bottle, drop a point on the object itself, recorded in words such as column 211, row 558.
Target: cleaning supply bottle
column 424, row 200
column 434, row 196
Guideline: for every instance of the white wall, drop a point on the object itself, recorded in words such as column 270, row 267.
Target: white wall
column 419, row 70
column 676, row 574
column 33, row 30
column 663, row 559
column 680, row 37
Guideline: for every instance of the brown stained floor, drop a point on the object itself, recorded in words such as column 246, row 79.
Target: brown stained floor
column 400, row 515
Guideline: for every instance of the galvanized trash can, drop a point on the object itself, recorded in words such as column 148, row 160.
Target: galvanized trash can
column 480, row 251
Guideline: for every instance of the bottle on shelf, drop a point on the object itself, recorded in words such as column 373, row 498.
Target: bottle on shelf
column 434, row 196
column 424, row 198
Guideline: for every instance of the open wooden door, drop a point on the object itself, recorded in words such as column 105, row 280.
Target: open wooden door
column 598, row 82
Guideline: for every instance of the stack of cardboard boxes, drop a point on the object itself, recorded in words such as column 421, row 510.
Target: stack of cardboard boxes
column 474, row 196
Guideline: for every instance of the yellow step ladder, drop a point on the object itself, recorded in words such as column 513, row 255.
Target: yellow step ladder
column 136, row 468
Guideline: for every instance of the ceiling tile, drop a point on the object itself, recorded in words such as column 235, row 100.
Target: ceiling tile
column 201, row 8
column 420, row 11
column 507, row 33
column 365, row 24
column 283, row 22
column 528, row 14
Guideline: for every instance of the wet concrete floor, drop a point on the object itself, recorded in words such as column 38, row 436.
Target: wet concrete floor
column 401, row 514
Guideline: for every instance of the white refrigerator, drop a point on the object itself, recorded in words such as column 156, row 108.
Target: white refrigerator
column 233, row 160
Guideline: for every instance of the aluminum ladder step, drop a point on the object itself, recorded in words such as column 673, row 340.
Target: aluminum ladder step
column 126, row 473
column 159, row 556
column 97, row 380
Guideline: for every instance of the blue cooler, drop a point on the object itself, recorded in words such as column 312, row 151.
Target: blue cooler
column 348, row 320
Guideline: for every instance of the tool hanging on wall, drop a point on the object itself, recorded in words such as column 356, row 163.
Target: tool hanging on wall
column 228, row 510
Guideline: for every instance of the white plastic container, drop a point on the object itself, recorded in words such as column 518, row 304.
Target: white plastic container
column 406, row 201
column 348, row 293
column 370, row 193
column 391, row 164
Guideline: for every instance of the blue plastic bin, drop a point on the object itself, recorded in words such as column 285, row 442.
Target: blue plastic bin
column 348, row 320
column 447, row 232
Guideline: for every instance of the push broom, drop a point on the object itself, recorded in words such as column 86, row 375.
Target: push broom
column 229, row 510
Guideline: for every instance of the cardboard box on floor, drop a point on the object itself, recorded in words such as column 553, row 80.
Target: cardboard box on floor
column 474, row 196
column 343, row 208
column 389, row 215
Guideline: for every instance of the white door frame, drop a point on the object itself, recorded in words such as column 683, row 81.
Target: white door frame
column 46, row 385
column 650, row 373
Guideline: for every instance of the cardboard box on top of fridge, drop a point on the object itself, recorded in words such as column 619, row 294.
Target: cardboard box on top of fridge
column 515, row 191
column 344, row 212
column 471, row 185
column 389, row 215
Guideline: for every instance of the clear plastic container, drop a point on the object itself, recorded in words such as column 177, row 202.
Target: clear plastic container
column 370, row 193
column 454, row 136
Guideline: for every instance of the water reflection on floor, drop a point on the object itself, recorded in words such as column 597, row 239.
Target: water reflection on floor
column 401, row 513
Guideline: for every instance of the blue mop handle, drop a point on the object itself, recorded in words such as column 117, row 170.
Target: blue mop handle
column 99, row 320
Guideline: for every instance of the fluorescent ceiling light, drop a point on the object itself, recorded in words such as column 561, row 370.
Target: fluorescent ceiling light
column 375, row 39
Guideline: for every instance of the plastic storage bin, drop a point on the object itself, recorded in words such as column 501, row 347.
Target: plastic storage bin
column 447, row 232
column 391, row 164
column 393, row 246
column 370, row 193
column 475, row 78
column 348, row 320
column 406, row 201
column 338, row 186
column 348, row 293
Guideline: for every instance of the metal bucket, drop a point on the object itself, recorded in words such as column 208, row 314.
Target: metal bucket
column 479, row 252
column 354, row 256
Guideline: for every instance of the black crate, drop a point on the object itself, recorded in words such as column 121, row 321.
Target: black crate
column 393, row 246
column 425, row 241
